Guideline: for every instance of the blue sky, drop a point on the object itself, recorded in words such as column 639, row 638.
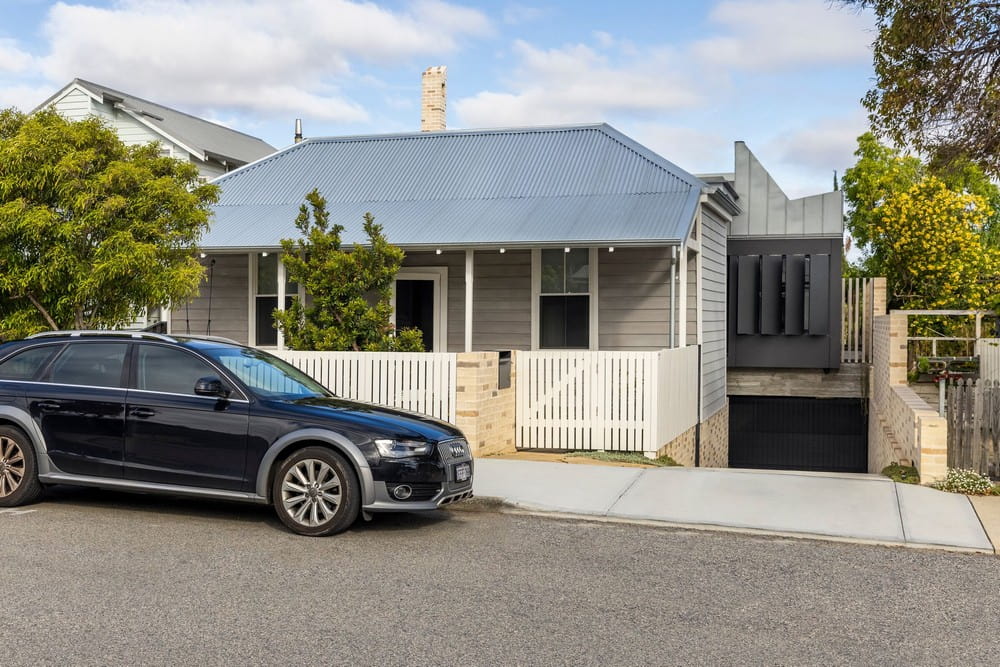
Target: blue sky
column 686, row 79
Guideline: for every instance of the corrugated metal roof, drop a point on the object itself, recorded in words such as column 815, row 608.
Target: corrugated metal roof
column 512, row 186
column 194, row 132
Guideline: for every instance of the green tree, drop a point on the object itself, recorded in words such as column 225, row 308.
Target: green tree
column 350, row 289
column 937, row 77
column 879, row 172
column 926, row 233
column 882, row 171
column 91, row 231
column 927, row 239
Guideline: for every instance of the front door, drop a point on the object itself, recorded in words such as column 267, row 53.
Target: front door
column 174, row 436
column 415, row 308
column 79, row 405
column 419, row 298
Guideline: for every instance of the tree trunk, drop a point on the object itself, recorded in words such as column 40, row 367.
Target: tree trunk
column 41, row 309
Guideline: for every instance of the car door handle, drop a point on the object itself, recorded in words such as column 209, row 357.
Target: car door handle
column 142, row 412
column 48, row 406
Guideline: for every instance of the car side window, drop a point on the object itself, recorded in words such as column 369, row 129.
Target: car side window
column 26, row 365
column 90, row 364
column 169, row 370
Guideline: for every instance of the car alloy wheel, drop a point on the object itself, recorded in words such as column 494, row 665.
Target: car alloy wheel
column 11, row 466
column 19, row 484
column 316, row 492
column 311, row 492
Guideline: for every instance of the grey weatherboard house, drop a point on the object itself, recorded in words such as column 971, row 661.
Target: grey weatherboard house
column 571, row 237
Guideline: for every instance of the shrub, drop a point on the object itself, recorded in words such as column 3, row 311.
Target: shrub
column 965, row 481
column 900, row 473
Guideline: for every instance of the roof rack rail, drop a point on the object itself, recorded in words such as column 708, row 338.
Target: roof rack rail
column 217, row 339
column 78, row 333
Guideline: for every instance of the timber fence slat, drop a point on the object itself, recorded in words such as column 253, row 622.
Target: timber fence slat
column 974, row 426
column 416, row 381
column 619, row 401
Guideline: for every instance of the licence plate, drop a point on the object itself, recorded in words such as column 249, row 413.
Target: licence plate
column 463, row 471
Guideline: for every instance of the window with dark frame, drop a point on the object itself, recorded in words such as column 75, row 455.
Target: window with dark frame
column 564, row 304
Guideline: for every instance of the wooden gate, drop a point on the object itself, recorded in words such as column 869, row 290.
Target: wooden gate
column 974, row 426
column 596, row 400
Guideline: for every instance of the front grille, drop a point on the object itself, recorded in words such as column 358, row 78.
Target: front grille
column 454, row 450
column 421, row 491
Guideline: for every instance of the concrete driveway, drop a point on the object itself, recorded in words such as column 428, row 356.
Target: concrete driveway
column 868, row 508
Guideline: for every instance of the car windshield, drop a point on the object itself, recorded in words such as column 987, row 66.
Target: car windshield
column 266, row 375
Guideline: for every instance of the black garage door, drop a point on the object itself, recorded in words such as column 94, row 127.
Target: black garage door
column 784, row 433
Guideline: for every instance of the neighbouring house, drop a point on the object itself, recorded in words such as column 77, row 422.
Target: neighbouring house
column 213, row 148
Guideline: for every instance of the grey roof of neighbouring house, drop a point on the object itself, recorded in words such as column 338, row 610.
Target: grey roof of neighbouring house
column 523, row 186
column 198, row 134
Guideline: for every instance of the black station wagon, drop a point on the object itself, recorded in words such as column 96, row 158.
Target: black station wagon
column 204, row 416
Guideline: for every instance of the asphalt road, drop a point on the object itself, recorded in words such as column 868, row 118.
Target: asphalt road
column 93, row 577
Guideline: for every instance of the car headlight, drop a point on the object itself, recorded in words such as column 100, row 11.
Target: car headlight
column 401, row 449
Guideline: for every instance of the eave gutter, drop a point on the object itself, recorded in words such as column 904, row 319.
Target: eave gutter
column 513, row 245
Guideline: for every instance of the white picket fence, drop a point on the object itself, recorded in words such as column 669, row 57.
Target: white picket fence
column 988, row 351
column 421, row 382
column 595, row 400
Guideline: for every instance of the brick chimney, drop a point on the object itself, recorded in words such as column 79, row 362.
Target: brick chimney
column 433, row 98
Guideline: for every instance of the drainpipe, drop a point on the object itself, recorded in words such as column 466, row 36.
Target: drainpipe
column 673, row 279
column 697, row 426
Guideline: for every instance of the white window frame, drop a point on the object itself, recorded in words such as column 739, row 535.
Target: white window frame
column 254, row 258
column 439, row 276
column 536, row 298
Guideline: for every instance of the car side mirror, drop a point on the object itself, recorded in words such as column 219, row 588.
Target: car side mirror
column 210, row 386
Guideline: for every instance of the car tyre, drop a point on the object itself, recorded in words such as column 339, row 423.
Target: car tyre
column 19, row 484
column 315, row 492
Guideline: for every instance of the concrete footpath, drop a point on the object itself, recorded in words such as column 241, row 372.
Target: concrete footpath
column 867, row 508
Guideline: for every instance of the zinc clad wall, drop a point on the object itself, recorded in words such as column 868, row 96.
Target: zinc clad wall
column 230, row 285
column 713, row 313
column 767, row 210
column 633, row 298
column 455, row 261
column 501, row 310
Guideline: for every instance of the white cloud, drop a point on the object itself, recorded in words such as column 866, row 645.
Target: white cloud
column 576, row 83
column 694, row 150
column 23, row 96
column 605, row 40
column 12, row 58
column 824, row 146
column 784, row 34
column 516, row 14
column 249, row 55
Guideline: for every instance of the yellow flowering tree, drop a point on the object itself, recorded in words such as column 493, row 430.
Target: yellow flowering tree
column 928, row 239
column 932, row 230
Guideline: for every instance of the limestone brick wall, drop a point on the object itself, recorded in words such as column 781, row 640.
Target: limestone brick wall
column 714, row 442
column 681, row 448
column 715, row 439
column 879, row 296
column 901, row 426
column 483, row 411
